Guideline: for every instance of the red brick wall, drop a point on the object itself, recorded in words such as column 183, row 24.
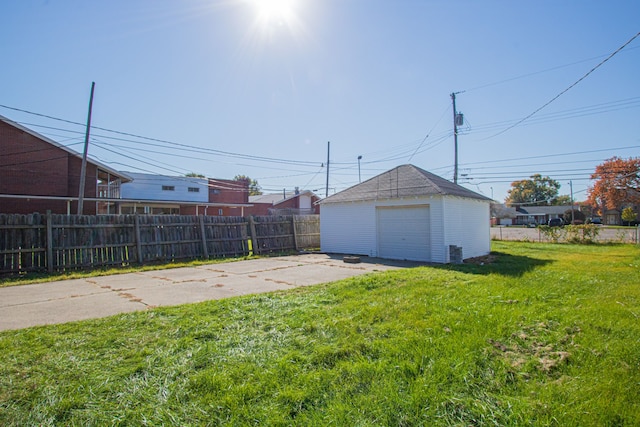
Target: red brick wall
column 295, row 204
column 258, row 209
column 30, row 166
column 28, row 206
column 228, row 191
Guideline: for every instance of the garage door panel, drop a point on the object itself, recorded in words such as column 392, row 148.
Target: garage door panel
column 403, row 233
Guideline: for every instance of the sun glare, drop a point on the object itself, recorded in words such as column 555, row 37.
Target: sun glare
column 279, row 12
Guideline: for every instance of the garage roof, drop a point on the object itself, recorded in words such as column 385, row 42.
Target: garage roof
column 402, row 181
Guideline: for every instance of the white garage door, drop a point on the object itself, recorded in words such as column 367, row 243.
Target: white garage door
column 403, row 233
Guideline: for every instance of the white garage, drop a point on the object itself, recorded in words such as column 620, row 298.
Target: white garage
column 406, row 213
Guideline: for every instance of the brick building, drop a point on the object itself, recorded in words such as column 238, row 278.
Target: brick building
column 38, row 174
column 294, row 203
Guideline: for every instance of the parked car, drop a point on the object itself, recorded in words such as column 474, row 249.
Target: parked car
column 596, row 220
column 556, row 222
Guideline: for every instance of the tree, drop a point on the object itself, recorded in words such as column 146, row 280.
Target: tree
column 629, row 215
column 573, row 216
column 563, row 200
column 617, row 183
column 254, row 187
column 537, row 191
column 194, row 175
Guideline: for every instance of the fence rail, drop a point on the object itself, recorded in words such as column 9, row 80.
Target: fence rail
column 48, row 243
column 605, row 234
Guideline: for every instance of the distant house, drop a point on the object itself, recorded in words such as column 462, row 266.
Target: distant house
column 38, row 174
column 292, row 203
column 526, row 215
column 181, row 195
column 502, row 214
column 614, row 216
column 406, row 213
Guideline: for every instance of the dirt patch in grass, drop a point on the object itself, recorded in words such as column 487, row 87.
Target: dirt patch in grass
column 540, row 347
column 482, row 260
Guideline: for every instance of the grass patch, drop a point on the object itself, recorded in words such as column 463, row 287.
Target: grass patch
column 537, row 334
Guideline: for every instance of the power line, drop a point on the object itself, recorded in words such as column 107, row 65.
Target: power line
column 567, row 89
column 522, row 76
column 606, row 107
column 429, row 133
column 553, row 155
column 172, row 143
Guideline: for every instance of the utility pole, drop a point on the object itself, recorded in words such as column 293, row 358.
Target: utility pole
column 359, row 178
column 326, row 194
column 83, row 169
column 572, row 212
column 455, row 139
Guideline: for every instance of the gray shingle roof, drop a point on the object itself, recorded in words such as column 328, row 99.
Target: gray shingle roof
column 403, row 181
column 543, row 210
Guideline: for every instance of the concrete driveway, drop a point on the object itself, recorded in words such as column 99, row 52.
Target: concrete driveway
column 79, row 299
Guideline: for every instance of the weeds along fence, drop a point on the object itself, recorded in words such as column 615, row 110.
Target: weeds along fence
column 55, row 243
column 603, row 235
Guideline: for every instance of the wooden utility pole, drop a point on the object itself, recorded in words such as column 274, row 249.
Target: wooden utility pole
column 83, row 170
column 326, row 194
column 455, row 139
column 573, row 218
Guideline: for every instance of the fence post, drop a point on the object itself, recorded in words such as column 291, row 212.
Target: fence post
column 205, row 251
column 49, row 242
column 295, row 233
column 138, row 238
column 254, row 237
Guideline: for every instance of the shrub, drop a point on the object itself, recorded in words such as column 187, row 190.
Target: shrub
column 628, row 215
column 553, row 234
column 586, row 233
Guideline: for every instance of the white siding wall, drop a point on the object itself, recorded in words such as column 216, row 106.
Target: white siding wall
column 467, row 225
column 149, row 187
column 348, row 228
column 305, row 201
column 438, row 253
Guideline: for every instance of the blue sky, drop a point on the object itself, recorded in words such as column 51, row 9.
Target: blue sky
column 219, row 88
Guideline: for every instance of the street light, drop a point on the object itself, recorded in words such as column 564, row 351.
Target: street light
column 359, row 178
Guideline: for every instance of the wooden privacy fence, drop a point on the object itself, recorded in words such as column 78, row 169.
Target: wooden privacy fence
column 48, row 243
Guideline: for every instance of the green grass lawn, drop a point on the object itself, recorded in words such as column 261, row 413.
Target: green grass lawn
column 539, row 334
